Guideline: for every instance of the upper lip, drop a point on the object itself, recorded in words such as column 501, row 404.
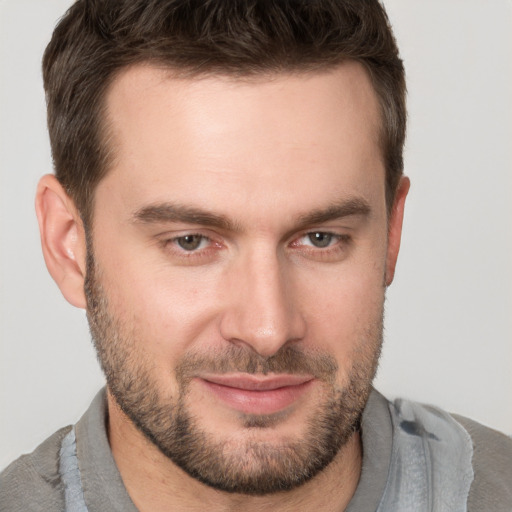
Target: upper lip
column 257, row 382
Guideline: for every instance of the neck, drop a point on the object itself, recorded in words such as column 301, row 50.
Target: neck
column 156, row 484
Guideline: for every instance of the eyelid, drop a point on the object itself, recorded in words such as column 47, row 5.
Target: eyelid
column 338, row 247
column 335, row 252
column 174, row 238
column 172, row 235
column 326, row 231
column 202, row 240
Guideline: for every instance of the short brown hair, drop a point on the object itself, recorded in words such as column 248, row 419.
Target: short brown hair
column 97, row 38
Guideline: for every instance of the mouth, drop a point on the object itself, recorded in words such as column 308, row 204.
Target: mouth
column 257, row 394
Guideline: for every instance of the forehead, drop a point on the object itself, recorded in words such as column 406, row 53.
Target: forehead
column 199, row 140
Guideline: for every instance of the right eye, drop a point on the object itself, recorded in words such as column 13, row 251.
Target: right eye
column 321, row 239
column 192, row 242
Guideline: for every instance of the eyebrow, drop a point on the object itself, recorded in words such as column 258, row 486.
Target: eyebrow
column 169, row 212
column 356, row 206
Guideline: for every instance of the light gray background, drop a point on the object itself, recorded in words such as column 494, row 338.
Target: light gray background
column 449, row 312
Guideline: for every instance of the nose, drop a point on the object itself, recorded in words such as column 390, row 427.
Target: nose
column 262, row 310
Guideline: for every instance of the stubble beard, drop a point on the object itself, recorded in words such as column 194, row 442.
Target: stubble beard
column 251, row 466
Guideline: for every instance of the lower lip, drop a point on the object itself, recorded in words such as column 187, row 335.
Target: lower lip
column 258, row 402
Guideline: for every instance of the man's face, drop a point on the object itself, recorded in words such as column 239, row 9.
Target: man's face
column 237, row 268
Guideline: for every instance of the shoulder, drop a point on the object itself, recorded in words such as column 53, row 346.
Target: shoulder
column 32, row 482
column 465, row 457
column 492, row 466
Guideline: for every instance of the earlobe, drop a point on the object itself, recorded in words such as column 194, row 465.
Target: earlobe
column 395, row 228
column 62, row 239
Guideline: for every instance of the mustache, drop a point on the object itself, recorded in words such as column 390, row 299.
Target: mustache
column 289, row 360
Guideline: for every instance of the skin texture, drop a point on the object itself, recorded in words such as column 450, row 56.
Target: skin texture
column 242, row 231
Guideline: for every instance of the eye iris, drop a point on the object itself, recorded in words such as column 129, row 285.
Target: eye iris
column 320, row 239
column 189, row 242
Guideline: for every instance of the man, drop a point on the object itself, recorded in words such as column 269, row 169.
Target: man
column 227, row 207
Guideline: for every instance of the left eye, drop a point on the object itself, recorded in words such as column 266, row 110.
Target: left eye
column 191, row 242
column 320, row 239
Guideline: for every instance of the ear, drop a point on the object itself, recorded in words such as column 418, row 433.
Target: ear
column 62, row 239
column 395, row 228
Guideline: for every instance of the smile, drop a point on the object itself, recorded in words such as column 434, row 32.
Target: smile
column 253, row 394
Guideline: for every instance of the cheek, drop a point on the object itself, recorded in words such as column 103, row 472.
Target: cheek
column 345, row 311
column 168, row 309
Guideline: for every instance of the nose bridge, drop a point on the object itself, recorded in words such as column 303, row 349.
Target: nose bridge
column 262, row 313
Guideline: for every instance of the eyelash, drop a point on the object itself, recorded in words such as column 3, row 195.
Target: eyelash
column 172, row 244
column 339, row 245
column 332, row 236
